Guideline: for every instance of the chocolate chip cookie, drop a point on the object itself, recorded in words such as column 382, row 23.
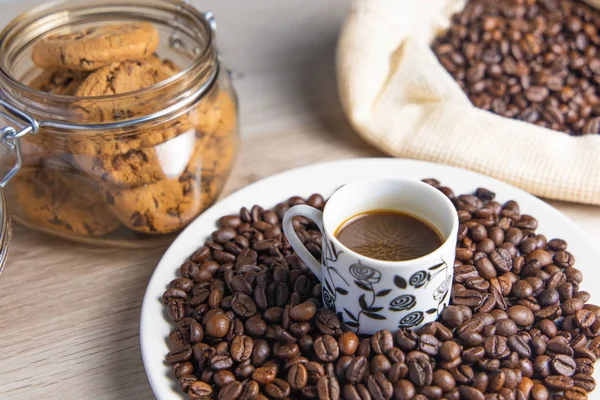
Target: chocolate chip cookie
column 64, row 83
column 219, row 155
column 63, row 201
column 92, row 48
column 112, row 162
column 119, row 78
column 124, row 77
column 166, row 206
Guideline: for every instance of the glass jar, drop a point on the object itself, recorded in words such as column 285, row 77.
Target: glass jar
column 105, row 166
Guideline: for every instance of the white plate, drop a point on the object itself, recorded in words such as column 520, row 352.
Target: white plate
column 325, row 179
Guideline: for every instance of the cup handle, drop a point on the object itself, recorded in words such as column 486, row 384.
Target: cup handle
column 317, row 217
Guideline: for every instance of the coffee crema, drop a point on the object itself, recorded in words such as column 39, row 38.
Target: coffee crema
column 389, row 235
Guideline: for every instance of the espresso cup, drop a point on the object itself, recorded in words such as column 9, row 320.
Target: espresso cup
column 369, row 294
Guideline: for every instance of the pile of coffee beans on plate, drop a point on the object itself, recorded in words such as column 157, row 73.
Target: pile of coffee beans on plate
column 249, row 321
column 534, row 60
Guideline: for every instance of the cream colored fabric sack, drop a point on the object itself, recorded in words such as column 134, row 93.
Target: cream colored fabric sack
column 399, row 98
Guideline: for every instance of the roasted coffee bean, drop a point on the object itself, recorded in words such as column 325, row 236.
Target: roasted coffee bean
column 232, row 390
column 180, row 355
column 506, row 327
column 255, row 326
column 584, row 366
column 348, row 343
column 481, row 382
column 469, row 339
column 219, row 362
column 575, row 393
column 287, row 351
column 451, row 315
column 380, row 388
column 355, row 392
column 380, row 363
column 396, row 355
column 297, row 377
column 520, row 346
column 326, row 348
column 521, row 315
column 404, row 390
column 327, row 321
column 264, row 375
column 558, row 382
column 199, row 390
column 382, row 342
column 449, row 350
column 356, row 369
column 563, row 365
column 223, row 377
column 584, row 381
column 469, row 298
column 501, row 259
column 560, row 345
column 420, row 372
column 584, row 318
column 328, row 388
column 398, row 371
column 496, row 347
column 303, row 312
column 217, row 326
column 428, row 344
column 260, row 353
column 278, row 389
column 470, row 393
column 244, row 370
column 473, row 354
column 315, row 371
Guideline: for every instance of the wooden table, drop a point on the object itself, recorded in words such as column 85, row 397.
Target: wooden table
column 69, row 314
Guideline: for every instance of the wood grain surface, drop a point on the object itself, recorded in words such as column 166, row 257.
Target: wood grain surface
column 69, row 314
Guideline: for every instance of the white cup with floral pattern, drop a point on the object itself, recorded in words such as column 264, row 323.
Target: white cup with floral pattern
column 369, row 294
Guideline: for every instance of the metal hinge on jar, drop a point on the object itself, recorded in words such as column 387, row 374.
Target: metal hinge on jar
column 22, row 124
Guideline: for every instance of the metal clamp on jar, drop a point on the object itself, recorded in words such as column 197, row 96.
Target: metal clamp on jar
column 115, row 149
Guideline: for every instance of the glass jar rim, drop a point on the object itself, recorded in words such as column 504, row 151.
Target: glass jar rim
column 204, row 56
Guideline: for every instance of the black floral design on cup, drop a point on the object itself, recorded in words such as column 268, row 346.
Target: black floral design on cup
column 365, row 279
column 330, row 288
column 402, row 303
column 328, row 299
column 412, row 319
column 365, row 274
column 419, row 279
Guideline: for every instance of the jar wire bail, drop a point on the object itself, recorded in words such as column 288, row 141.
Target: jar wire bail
column 10, row 136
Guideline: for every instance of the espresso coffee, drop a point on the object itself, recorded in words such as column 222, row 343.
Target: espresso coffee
column 389, row 235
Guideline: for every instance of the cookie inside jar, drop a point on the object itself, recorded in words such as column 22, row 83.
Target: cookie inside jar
column 138, row 124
